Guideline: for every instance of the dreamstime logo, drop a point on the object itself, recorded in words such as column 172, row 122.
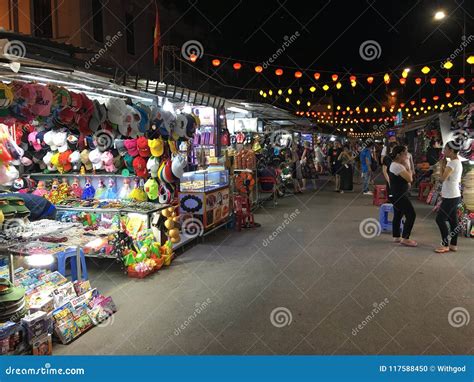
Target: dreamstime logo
column 192, row 48
column 110, row 41
column 460, row 139
column 14, row 49
column 280, row 317
column 14, row 227
column 192, row 227
column 370, row 50
column 370, row 228
column 288, row 219
column 288, row 40
column 458, row 317
column 465, row 42
column 109, row 321
column 377, row 307
column 281, row 139
column 104, row 140
column 199, row 308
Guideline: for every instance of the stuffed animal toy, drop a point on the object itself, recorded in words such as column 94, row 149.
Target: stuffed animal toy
column 108, row 160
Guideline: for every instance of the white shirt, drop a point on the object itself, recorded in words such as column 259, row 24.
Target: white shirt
column 397, row 168
column 450, row 188
column 384, row 151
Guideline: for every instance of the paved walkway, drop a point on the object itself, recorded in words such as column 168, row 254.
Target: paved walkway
column 318, row 287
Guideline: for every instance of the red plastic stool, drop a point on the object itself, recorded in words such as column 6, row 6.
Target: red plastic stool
column 380, row 195
column 424, row 189
column 243, row 213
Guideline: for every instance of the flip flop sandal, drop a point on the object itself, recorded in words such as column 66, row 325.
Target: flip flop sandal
column 409, row 244
column 441, row 250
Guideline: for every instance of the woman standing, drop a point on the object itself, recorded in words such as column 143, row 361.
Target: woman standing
column 308, row 169
column 345, row 158
column 296, row 173
column 386, row 162
column 400, row 176
column 450, row 192
column 318, row 158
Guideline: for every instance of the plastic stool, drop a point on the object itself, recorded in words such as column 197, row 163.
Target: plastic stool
column 386, row 224
column 422, row 187
column 380, row 195
column 71, row 253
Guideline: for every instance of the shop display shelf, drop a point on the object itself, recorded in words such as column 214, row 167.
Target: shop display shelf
column 74, row 175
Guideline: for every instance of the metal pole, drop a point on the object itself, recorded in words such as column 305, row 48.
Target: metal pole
column 78, row 263
column 11, row 268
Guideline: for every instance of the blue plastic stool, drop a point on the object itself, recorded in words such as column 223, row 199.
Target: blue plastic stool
column 71, row 253
column 386, row 224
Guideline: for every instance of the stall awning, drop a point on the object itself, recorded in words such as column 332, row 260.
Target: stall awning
column 418, row 124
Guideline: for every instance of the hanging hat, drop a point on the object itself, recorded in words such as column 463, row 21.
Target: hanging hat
column 9, row 293
column 151, row 189
column 139, row 165
column 180, row 127
column 143, row 148
column 76, row 102
column 33, row 141
column 144, row 123
column 98, row 117
column 28, row 93
column 116, row 110
column 44, row 98
column 154, row 131
column 128, row 159
column 130, row 122
column 131, row 146
column 156, row 147
column 152, row 166
column 120, row 146
column 190, row 127
column 62, row 98
column 178, row 165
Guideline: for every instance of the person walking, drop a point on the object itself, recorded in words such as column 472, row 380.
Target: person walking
column 318, row 158
column 346, row 158
column 307, row 166
column 451, row 172
column 296, row 173
column 400, row 176
column 336, row 164
column 386, row 162
column 365, row 166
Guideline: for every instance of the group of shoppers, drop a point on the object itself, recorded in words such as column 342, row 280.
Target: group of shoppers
column 398, row 170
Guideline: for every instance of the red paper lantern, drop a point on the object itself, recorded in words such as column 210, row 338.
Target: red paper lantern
column 423, row 100
column 432, row 81
column 412, row 102
column 370, row 79
column 279, row 72
column 435, row 98
column 298, row 74
column 402, row 105
column 418, row 80
column 462, row 80
column 403, row 81
column 352, row 78
column 317, row 75
column 334, row 77
column 193, row 57
column 461, row 91
column 447, row 80
column 448, row 94
column 258, row 69
column 216, row 62
column 237, row 65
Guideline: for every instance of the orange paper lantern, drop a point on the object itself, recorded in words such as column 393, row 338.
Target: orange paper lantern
column 462, row 80
column 423, row 100
column 435, row 98
column 412, row 102
column 432, row 81
column 258, row 69
column 334, row 77
column 298, row 74
column 403, row 81
column 317, row 75
column 216, row 62
column 370, row 79
column 461, row 91
column 279, row 72
column 237, row 65
column 352, row 78
column 418, row 80
column 193, row 57
column 447, row 80
column 448, row 94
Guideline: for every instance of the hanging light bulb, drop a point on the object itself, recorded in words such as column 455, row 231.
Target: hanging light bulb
column 298, row 102
column 280, row 92
column 425, row 70
column 405, row 72
column 386, row 78
column 353, row 84
column 338, row 85
column 270, row 92
column 312, row 89
column 290, row 91
column 261, row 92
column 325, row 87
column 308, row 104
column 287, row 99
column 448, row 65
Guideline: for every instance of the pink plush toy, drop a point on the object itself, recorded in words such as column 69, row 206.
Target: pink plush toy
column 108, row 160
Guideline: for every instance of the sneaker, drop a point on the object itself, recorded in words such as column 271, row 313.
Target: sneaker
column 368, row 193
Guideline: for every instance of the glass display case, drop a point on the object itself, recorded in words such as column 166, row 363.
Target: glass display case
column 204, row 180
column 205, row 196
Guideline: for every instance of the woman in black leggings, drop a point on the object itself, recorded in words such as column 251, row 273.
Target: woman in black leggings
column 450, row 192
column 400, row 177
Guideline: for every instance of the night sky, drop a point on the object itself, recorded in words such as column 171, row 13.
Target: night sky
column 331, row 33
